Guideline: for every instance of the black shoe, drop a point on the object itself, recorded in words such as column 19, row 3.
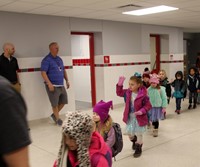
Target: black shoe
column 138, row 150
column 53, row 118
column 190, row 106
column 194, row 106
column 134, row 140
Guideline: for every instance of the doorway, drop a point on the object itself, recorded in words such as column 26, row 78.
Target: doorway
column 155, row 53
column 82, row 46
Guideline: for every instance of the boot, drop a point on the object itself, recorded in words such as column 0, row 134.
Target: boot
column 138, row 150
column 155, row 132
column 190, row 106
column 194, row 106
column 134, row 140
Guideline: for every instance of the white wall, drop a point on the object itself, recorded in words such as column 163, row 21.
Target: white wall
column 82, row 77
column 124, row 42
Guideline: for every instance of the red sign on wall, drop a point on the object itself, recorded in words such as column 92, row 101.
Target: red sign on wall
column 106, row 59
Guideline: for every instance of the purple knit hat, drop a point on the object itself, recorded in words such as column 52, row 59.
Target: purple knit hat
column 154, row 78
column 102, row 109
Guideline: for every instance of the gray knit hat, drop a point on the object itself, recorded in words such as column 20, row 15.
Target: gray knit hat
column 79, row 126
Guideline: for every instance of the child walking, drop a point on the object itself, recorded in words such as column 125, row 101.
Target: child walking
column 158, row 99
column 164, row 82
column 137, row 105
column 192, row 84
column 103, row 121
column 80, row 145
column 145, row 78
column 179, row 90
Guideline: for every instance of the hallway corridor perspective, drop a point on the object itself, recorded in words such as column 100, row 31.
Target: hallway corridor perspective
column 177, row 144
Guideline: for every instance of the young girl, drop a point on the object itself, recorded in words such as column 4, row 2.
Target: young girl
column 193, row 85
column 164, row 82
column 80, row 145
column 158, row 101
column 137, row 105
column 179, row 89
column 145, row 78
column 104, row 122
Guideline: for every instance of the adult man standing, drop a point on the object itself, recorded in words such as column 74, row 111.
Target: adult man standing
column 9, row 66
column 53, row 73
column 14, row 131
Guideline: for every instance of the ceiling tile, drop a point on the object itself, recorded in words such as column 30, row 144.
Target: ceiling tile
column 75, row 3
column 74, row 12
column 48, row 9
column 5, row 2
column 187, row 15
column 40, row 1
column 20, row 6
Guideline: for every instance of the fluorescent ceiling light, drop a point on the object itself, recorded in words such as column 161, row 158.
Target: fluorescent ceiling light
column 146, row 11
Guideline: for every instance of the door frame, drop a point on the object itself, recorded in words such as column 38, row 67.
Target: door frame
column 92, row 65
column 157, row 39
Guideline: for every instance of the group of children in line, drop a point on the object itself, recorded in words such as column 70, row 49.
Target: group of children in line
column 88, row 141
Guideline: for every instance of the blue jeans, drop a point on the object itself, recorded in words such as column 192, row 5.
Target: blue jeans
column 178, row 103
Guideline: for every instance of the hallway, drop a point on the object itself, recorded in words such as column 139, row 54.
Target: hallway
column 178, row 143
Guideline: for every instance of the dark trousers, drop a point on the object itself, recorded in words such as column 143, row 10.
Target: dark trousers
column 193, row 97
column 155, row 124
column 178, row 103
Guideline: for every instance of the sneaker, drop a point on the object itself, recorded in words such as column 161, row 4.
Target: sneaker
column 53, row 118
column 59, row 122
column 190, row 106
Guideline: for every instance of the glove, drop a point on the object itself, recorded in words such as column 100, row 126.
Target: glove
column 121, row 80
column 163, row 110
column 138, row 113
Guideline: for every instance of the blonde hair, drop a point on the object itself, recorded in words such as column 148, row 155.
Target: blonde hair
column 7, row 45
column 136, row 79
column 52, row 43
column 104, row 128
column 164, row 72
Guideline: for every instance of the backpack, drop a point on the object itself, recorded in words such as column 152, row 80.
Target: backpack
column 118, row 146
column 185, row 90
column 185, row 93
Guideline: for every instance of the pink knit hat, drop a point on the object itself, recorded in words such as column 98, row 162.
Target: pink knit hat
column 154, row 78
column 102, row 109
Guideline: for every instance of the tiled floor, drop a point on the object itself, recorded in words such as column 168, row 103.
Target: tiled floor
column 80, row 105
column 178, row 143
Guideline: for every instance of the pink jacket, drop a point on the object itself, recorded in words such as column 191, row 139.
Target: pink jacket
column 141, row 103
column 100, row 153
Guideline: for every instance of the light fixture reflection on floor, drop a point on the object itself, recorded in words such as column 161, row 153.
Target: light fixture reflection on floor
column 152, row 10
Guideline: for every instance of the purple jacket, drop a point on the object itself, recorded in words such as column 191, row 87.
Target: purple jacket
column 141, row 103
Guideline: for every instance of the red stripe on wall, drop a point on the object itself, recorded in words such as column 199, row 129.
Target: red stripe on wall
column 86, row 62
column 31, row 70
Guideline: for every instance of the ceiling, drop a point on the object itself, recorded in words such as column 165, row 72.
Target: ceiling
column 187, row 17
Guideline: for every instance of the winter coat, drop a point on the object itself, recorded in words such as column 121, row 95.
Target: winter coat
column 192, row 83
column 100, row 153
column 158, row 97
column 141, row 103
column 179, row 88
column 167, row 85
